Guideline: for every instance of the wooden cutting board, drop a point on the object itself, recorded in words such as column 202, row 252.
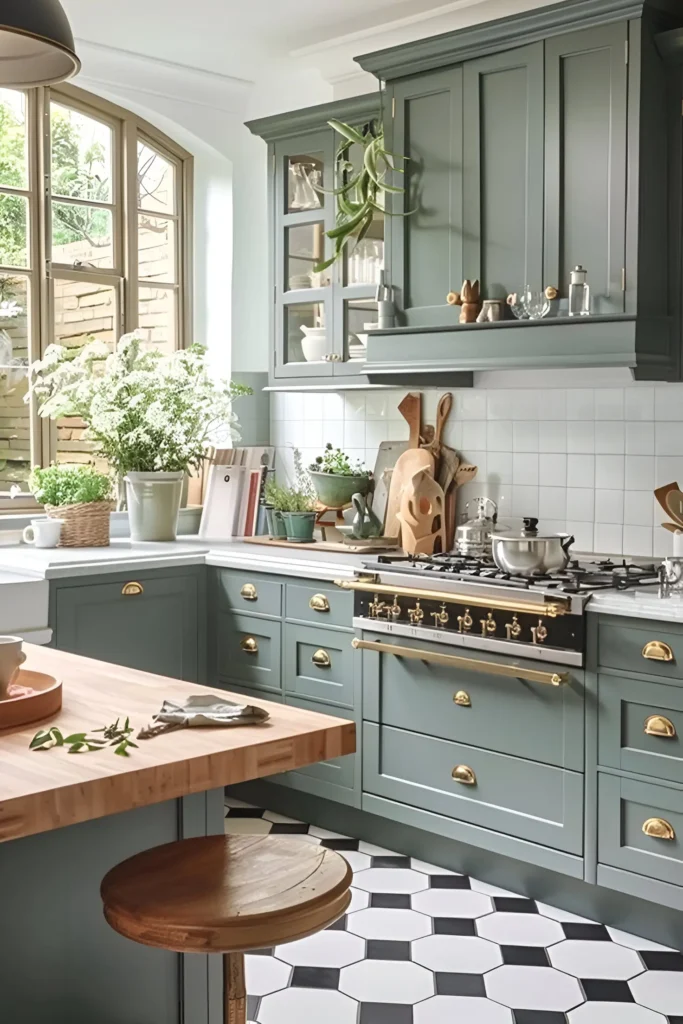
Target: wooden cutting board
column 674, row 506
column 408, row 464
column 411, row 411
column 387, row 457
column 422, row 515
column 661, row 494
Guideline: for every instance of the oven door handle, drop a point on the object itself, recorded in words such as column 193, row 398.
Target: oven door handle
column 494, row 668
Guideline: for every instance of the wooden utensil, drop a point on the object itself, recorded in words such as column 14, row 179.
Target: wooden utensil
column 465, row 474
column 422, row 515
column 674, row 506
column 661, row 493
column 411, row 411
column 442, row 413
column 672, row 528
column 407, row 465
column 448, row 467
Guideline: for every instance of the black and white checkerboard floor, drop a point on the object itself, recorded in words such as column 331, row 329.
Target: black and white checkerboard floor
column 422, row 945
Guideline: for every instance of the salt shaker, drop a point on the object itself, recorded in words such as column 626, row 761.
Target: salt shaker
column 579, row 292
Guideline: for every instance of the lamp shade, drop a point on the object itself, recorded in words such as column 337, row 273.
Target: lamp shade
column 36, row 43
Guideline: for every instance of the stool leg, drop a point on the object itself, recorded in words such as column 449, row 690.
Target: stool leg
column 234, row 991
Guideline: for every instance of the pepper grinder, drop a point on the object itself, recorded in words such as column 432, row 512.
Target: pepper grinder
column 579, row 292
column 386, row 312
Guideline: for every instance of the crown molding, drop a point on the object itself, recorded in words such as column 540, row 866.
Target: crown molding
column 115, row 68
column 297, row 122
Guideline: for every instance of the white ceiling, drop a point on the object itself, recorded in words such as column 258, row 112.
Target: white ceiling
column 244, row 38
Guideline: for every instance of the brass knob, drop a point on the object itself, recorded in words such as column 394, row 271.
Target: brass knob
column 658, row 725
column 539, row 633
column 319, row 603
column 551, row 293
column 375, row 607
column 488, row 625
column 657, row 650
column 321, row 659
column 416, row 614
column 462, row 699
column 249, row 645
column 248, row 592
column 394, row 610
column 513, row 629
column 461, row 773
column 132, row 589
column 658, row 828
column 465, row 622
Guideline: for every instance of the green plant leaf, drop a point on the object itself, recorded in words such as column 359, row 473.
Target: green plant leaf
column 344, row 229
column 347, row 131
column 75, row 737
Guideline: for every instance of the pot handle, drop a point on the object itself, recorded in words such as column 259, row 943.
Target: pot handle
column 530, row 527
column 566, row 544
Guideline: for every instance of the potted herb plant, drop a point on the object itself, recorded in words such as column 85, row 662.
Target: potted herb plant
column 275, row 500
column 336, row 479
column 151, row 416
column 298, row 513
column 81, row 497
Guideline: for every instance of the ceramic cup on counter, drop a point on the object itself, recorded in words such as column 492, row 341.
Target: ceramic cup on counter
column 43, row 533
column 11, row 659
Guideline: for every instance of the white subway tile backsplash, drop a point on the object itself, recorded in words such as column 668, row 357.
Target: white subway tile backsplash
column 585, row 458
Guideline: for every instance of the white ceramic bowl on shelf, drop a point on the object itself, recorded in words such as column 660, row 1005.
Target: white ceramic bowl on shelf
column 314, row 344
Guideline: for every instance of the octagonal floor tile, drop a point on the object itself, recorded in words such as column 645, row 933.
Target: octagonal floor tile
column 397, row 880
column 357, row 861
column 429, row 869
column 294, row 1005
column 614, row 1013
column 359, row 900
column 556, row 914
column 635, row 942
column 520, row 929
column 456, row 954
column 533, row 988
column 400, row 925
column 586, row 959
column 265, row 974
column 452, row 903
column 326, row 949
column 659, row 990
column 385, row 981
column 491, row 890
column 450, row 1009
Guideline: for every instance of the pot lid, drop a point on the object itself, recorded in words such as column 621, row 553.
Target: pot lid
column 529, row 531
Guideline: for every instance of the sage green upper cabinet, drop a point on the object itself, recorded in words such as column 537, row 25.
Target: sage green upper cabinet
column 503, row 171
column 338, row 303
column 585, row 161
column 426, row 246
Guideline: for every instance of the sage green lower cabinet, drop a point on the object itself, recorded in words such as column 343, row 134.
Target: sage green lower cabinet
column 249, row 651
column 638, row 648
column 337, row 779
column 320, row 603
column 493, row 791
column 318, row 664
column 641, row 727
column 148, row 621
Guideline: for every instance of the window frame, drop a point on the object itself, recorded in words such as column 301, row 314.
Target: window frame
column 127, row 129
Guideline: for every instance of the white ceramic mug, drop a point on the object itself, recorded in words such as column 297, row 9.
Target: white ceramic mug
column 44, row 533
column 11, row 659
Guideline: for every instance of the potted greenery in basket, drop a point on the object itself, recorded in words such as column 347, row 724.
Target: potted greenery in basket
column 81, row 497
column 336, row 479
column 151, row 416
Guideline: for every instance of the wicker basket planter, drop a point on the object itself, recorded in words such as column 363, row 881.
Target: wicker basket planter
column 86, row 525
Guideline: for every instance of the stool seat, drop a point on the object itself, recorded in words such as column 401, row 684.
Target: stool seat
column 222, row 894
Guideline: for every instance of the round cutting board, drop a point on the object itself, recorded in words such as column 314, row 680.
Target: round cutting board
column 24, row 710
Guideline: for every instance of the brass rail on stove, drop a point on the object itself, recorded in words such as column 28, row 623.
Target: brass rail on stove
column 494, row 668
column 552, row 609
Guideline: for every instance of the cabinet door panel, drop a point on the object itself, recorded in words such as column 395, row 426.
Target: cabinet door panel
column 426, row 247
column 586, row 110
column 503, row 171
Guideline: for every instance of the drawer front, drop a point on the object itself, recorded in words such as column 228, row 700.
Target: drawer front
column 531, row 720
column 641, row 727
column 338, row 772
column 648, row 651
column 625, row 806
column 249, row 593
column 319, row 664
column 249, row 694
column 249, row 651
column 323, row 604
column 506, row 794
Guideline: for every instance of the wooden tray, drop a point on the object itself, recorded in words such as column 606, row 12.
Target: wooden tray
column 24, row 710
column 357, row 548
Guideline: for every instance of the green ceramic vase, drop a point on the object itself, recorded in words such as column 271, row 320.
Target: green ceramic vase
column 336, row 491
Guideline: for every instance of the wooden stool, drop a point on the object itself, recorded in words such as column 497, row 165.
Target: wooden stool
column 227, row 894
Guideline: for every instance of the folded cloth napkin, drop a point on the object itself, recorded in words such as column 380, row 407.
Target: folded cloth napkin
column 202, row 710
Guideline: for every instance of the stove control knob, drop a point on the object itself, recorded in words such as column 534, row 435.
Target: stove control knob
column 441, row 617
column 488, row 625
column 539, row 633
column 465, row 622
column 375, row 607
column 513, row 629
column 393, row 611
column 416, row 614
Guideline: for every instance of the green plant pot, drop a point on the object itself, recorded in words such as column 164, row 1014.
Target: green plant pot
column 299, row 526
column 276, row 527
column 336, row 491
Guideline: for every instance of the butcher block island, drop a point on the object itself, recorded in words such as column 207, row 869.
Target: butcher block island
column 66, row 819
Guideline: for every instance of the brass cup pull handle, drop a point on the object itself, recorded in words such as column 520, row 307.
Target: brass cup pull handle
column 319, row 603
column 463, row 774
column 658, row 828
column 249, row 645
column 462, row 699
column 132, row 589
column 248, row 592
column 657, row 650
column 659, row 725
column 321, row 659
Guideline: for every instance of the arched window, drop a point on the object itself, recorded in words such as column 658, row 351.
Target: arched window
column 95, row 232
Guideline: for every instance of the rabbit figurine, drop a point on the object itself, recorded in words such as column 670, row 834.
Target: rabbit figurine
column 365, row 522
column 470, row 302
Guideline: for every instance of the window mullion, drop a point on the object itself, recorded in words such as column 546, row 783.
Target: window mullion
column 129, row 219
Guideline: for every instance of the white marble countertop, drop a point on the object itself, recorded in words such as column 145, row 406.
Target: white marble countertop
column 638, row 604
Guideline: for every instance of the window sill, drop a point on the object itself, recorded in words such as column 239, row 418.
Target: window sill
column 188, row 521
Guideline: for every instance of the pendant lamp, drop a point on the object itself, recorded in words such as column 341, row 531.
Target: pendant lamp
column 36, row 44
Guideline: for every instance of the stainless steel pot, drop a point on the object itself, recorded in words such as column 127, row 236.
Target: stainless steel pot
column 528, row 553
column 473, row 537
